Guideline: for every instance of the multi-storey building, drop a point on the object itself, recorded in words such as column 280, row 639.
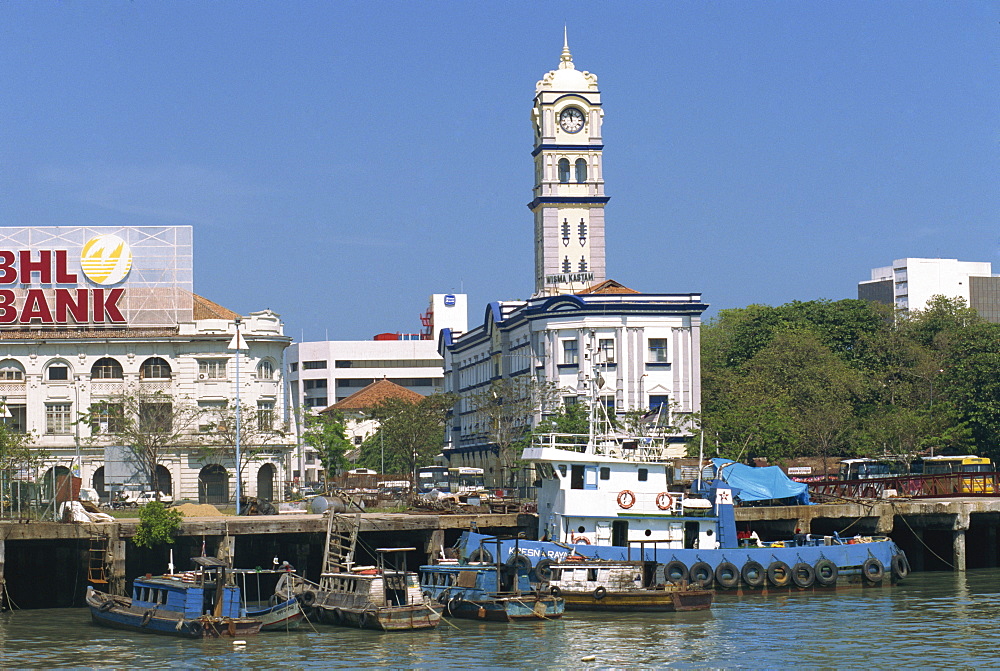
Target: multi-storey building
column 909, row 283
column 593, row 339
column 93, row 314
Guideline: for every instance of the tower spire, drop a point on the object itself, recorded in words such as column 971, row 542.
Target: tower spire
column 566, row 60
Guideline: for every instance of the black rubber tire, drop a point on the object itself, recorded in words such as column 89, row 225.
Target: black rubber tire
column 195, row 628
column 481, row 555
column 727, row 575
column 803, row 575
column 146, row 617
column 336, row 616
column 600, row 592
column 427, row 596
column 555, row 591
column 779, row 574
column 106, row 605
column 453, row 604
column 675, row 571
column 543, row 570
column 443, row 597
column 826, row 572
column 518, row 562
column 307, row 598
column 873, row 570
column 900, row 566
column 702, row 574
column 753, row 574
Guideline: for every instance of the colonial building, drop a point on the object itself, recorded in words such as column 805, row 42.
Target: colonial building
column 594, row 339
column 92, row 314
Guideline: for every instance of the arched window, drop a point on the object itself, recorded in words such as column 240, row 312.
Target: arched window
column 154, row 368
column 106, row 369
column 581, row 170
column 564, row 171
column 265, row 370
column 57, row 371
column 11, row 370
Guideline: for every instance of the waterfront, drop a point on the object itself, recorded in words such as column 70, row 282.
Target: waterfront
column 933, row 620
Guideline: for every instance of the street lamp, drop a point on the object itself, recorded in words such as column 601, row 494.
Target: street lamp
column 237, row 343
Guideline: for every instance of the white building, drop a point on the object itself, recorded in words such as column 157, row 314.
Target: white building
column 322, row 373
column 579, row 330
column 910, row 283
column 92, row 313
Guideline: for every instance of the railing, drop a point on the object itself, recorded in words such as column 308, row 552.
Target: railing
column 909, row 486
column 630, row 448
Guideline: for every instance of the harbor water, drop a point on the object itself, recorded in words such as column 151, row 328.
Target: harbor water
column 932, row 620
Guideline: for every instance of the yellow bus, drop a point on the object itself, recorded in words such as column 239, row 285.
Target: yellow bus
column 968, row 463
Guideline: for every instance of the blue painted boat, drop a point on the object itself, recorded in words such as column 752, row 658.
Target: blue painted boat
column 195, row 604
column 488, row 592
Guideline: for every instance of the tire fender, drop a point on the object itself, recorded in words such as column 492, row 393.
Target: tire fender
column 753, row 574
column 779, row 574
column 702, row 574
column 727, row 575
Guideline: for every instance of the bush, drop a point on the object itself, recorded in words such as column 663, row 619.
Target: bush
column 157, row 524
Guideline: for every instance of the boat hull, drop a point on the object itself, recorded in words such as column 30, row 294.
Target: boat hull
column 639, row 601
column 122, row 614
column 279, row 617
column 384, row 618
column 507, row 609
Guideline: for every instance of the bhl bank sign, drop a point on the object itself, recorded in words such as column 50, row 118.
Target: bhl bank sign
column 103, row 275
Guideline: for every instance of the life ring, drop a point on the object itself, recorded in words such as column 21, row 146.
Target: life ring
column 481, row 555
column 873, row 570
column 195, row 628
column 826, row 572
column 727, row 575
column 555, row 591
column 581, row 540
column 600, row 592
column 664, row 501
column 753, row 574
column 900, row 566
column 146, row 617
column 803, row 575
column 779, row 574
column 106, row 605
column 517, row 562
column 626, row 499
column 307, row 598
column 543, row 570
column 702, row 574
column 675, row 571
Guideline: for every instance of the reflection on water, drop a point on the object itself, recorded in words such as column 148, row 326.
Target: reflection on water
column 935, row 619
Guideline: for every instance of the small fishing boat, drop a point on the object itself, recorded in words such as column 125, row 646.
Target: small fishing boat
column 196, row 604
column 382, row 597
column 488, row 592
column 631, row 586
column 281, row 612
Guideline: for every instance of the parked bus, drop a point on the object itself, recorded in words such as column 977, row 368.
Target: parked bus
column 968, row 463
column 862, row 469
column 460, row 481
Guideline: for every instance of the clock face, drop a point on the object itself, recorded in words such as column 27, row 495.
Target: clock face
column 571, row 120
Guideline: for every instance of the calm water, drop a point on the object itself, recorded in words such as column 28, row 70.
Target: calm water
column 934, row 620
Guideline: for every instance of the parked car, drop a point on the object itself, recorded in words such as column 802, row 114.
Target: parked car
column 146, row 497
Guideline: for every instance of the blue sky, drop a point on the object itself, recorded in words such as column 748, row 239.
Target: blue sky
column 341, row 161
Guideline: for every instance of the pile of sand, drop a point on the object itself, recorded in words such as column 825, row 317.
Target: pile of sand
column 198, row 510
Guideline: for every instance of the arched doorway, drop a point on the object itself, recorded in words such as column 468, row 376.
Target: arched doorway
column 164, row 482
column 213, row 485
column 265, row 482
column 98, row 483
column 56, row 479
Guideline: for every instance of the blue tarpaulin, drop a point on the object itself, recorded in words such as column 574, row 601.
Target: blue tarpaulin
column 760, row 484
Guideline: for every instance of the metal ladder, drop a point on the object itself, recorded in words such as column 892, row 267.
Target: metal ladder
column 97, row 560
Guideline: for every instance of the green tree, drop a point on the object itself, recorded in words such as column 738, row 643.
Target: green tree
column 409, row 434
column 326, row 433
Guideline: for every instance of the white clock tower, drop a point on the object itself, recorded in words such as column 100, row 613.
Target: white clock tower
column 569, row 195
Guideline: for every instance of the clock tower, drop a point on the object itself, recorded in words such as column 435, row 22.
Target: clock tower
column 568, row 194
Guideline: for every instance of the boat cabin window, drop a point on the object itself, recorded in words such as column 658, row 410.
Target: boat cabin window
column 643, row 474
column 605, row 473
column 576, row 479
column 580, row 529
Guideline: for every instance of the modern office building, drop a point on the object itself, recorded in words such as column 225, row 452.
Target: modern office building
column 322, row 373
column 593, row 338
column 91, row 315
column 909, row 284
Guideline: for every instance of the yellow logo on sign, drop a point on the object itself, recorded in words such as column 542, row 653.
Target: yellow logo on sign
column 106, row 259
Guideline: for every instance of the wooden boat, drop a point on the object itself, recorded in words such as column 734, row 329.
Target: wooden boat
column 281, row 612
column 488, row 592
column 196, row 604
column 382, row 597
column 620, row 586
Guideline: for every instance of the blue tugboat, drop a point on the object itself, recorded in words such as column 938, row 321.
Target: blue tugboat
column 501, row 593
column 609, row 497
column 196, row 604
